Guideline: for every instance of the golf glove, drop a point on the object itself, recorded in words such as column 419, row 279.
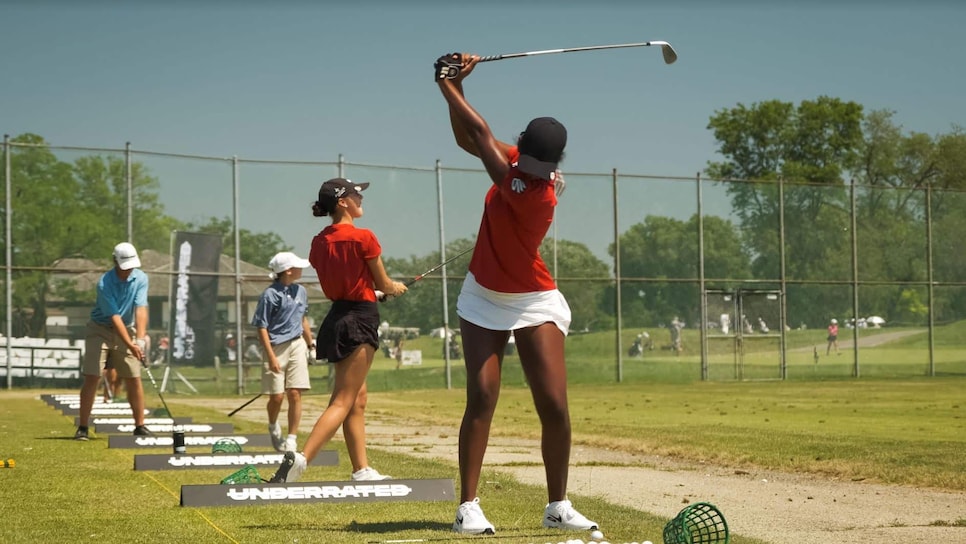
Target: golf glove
column 448, row 66
column 559, row 184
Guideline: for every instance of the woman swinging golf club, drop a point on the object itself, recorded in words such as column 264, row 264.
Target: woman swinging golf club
column 508, row 289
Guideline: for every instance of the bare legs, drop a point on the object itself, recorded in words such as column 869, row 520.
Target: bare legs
column 350, row 378
column 354, row 431
column 542, row 356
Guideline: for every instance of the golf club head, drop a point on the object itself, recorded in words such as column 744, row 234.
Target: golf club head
column 669, row 55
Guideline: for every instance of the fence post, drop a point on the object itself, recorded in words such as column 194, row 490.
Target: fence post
column 701, row 283
column 8, row 255
column 617, row 278
column 783, row 368
column 130, row 192
column 929, row 287
column 442, row 259
column 855, row 282
column 240, row 342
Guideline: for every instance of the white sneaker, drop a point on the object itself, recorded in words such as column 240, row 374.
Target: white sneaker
column 275, row 432
column 368, row 474
column 293, row 465
column 561, row 515
column 289, row 445
column 471, row 521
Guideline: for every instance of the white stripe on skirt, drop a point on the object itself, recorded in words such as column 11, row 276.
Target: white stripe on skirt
column 510, row 311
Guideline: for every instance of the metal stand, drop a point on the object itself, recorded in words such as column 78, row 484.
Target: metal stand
column 167, row 374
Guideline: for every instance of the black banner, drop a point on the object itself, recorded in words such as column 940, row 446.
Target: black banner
column 194, row 297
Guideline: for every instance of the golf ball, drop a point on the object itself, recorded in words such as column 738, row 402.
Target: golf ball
column 647, row 542
column 596, row 535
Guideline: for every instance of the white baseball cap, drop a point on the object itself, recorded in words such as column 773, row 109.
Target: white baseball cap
column 126, row 256
column 284, row 261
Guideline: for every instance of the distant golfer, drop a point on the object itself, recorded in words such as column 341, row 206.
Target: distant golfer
column 509, row 290
column 833, row 336
column 115, row 334
column 286, row 337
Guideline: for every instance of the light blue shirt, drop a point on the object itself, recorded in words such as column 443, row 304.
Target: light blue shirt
column 280, row 310
column 117, row 297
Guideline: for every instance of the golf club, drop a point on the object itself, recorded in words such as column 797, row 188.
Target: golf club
column 669, row 55
column 440, row 265
column 156, row 388
column 236, row 410
column 382, row 296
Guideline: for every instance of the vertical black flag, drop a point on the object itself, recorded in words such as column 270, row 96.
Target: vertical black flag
column 194, row 297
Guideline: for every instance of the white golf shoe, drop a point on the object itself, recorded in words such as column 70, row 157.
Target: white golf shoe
column 471, row 521
column 368, row 474
column 275, row 432
column 293, row 465
column 561, row 515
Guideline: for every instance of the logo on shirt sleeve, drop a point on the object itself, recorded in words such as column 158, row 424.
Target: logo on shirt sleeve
column 518, row 185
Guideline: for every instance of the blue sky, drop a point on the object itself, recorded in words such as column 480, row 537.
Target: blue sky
column 312, row 80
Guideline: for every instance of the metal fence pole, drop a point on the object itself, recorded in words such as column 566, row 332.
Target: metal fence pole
column 783, row 368
column 701, row 282
column 240, row 340
column 932, row 299
column 442, row 259
column 617, row 278
column 8, row 240
column 130, row 192
column 855, row 282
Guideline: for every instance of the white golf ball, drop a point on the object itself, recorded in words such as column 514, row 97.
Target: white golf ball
column 647, row 542
column 597, row 535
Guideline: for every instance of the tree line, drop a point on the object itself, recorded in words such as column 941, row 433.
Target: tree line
column 831, row 156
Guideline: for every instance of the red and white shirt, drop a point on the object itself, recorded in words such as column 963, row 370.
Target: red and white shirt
column 516, row 216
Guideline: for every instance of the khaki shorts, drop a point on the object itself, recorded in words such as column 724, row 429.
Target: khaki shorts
column 293, row 360
column 103, row 346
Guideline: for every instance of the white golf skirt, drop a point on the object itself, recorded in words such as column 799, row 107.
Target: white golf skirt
column 510, row 311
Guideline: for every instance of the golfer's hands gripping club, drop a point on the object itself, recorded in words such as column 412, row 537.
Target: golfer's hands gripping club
column 398, row 289
column 139, row 349
column 454, row 66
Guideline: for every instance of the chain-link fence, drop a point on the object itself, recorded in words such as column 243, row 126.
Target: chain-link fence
column 669, row 278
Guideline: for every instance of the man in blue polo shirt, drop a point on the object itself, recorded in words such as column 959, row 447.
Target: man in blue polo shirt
column 122, row 305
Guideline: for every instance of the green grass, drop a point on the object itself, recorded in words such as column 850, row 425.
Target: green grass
column 67, row 491
column 906, row 432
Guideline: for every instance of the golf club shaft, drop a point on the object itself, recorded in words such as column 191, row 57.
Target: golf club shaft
column 156, row 388
column 437, row 267
column 669, row 55
column 236, row 410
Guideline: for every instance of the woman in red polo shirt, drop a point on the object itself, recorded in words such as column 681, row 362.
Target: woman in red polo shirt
column 349, row 266
column 509, row 290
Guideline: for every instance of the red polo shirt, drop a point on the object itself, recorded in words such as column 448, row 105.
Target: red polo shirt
column 516, row 217
column 339, row 254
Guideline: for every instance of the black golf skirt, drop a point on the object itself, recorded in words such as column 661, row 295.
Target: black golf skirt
column 348, row 325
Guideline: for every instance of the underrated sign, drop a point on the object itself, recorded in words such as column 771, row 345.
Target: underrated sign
column 328, row 492
column 244, row 440
column 166, row 428
column 219, row 460
column 100, row 410
column 130, row 421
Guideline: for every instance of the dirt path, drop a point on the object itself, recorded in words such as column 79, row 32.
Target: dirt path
column 778, row 508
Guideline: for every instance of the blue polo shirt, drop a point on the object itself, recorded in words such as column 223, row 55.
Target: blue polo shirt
column 280, row 310
column 118, row 297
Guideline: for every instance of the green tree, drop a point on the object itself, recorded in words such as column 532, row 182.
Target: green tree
column 813, row 145
column 665, row 248
column 70, row 210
